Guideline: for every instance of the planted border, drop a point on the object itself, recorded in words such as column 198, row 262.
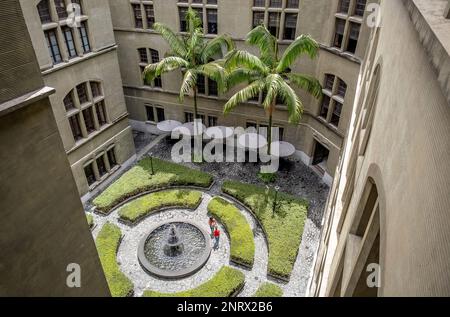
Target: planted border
column 139, row 179
column 228, row 282
column 144, row 206
column 269, row 290
column 108, row 241
column 283, row 230
column 90, row 220
column 242, row 244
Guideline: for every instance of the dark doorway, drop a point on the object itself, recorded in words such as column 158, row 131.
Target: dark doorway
column 320, row 157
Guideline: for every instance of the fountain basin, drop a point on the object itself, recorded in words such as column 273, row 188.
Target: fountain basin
column 195, row 246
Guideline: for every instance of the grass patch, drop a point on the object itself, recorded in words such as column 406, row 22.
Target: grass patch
column 139, row 179
column 267, row 178
column 269, row 290
column 145, row 205
column 90, row 220
column 107, row 242
column 283, row 229
column 225, row 283
column 242, row 244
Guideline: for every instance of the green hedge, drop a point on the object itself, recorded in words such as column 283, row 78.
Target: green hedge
column 242, row 244
column 90, row 220
column 269, row 290
column 284, row 230
column 139, row 179
column 107, row 242
column 145, row 205
column 227, row 282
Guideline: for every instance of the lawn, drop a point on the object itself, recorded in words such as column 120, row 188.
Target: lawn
column 242, row 245
column 283, row 229
column 107, row 242
column 148, row 204
column 226, row 283
column 269, row 290
column 139, row 179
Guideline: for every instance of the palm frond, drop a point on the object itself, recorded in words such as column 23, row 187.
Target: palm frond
column 304, row 44
column 291, row 101
column 244, row 95
column 189, row 82
column 307, row 83
column 216, row 72
column 239, row 76
column 266, row 42
column 273, row 83
column 177, row 46
column 244, row 59
column 169, row 64
column 149, row 73
column 194, row 22
column 219, row 45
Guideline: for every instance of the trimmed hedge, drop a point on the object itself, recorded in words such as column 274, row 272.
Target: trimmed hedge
column 283, row 230
column 242, row 244
column 269, row 290
column 139, row 179
column 108, row 241
column 90, row 220
column 146, row 205
column 226, row 283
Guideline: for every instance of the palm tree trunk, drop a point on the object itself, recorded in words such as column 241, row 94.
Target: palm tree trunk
column 269, row 133
column 195, row 103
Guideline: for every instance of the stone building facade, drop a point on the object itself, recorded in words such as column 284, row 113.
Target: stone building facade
column 44, row 228
column 337, row 25
column 386, row 226
column 78, row 57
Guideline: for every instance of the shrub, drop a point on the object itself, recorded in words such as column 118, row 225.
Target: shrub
column 267, row 177
column 242, row 244
column 150, row 203
column 269, row 290
column 283, row 229
column 90, row 220
column 107, row 242
column 226, row 283
column 139, row 179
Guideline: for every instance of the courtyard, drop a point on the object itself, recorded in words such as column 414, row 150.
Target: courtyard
column 267, row 241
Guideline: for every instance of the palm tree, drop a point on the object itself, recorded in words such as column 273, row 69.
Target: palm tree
column 191, row 54
column 271, row 75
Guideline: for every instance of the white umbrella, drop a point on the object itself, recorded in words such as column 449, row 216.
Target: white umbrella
column 191, row 129
column 168, row 125
column 252, row 141
column 219, row 132
column 282, row 149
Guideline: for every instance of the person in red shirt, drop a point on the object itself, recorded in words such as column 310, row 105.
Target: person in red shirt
column 216, row 238
column 212, row 225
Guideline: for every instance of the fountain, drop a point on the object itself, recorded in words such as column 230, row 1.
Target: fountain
column 174, row 250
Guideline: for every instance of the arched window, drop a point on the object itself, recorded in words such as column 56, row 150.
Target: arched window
column 43, row 8
column 334, row 91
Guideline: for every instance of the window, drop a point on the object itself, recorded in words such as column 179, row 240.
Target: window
column 96, row 90
column 197, row 1
column 150, row 14
column 189, row 117
column 44, row 11
column 292, row 4
column 155, row 56
column 336, row 116
column 158, row 82
column 212, row 21
column 290, row 26
column 360, row 7
column 342, row 88
column 201, row 87
column 111, row 157
column 339, row 35
column 344, row 6
column 137, row 16
column 84, row 38
column 82, row 93
column 183, row 23
column 101, row 113
column 101, row 166
column 150, row 113
column 274, row 23
column 211, row 1
column 212, row 87
column 89, row 120
column 212, row 121
column 329, row 82
column 75, row 127
column 258, row 18
column 61, row 9
column 53, row 46
column 68, row 102
column 325, row 107
column 143, row 57
column 275, row 3
column 259, row 3
column 160, row 115
column 250, row 124
column 68, row 37
column 89, row 172
column 353, row 38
